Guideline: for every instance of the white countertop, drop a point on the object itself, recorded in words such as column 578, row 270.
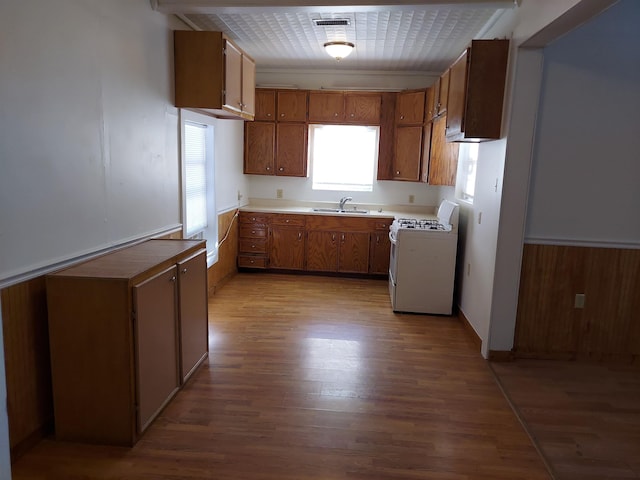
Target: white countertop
column 306, row 208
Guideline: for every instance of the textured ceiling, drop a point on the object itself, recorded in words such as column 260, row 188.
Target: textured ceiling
column 424, row 38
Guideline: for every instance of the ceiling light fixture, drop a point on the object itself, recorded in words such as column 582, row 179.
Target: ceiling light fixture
column 339, row 50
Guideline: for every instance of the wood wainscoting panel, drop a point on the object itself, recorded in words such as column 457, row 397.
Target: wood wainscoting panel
column 27, row 364
column 548, row 323
column 226, row 266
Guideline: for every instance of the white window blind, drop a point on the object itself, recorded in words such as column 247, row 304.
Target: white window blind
column 195, row 168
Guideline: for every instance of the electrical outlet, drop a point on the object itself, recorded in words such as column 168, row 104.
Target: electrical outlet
column 239, row 195
column 579, row 301
column 279, row 193
column 412, row 198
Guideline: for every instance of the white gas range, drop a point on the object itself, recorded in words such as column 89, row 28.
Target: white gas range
column 423, row 260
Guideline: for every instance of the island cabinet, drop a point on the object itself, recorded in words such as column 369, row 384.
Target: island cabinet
column 476, row 92
column 287, row 242
column 212, row 73
column 126, row 330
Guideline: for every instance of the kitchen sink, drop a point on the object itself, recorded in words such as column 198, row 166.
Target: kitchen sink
column 338, row 210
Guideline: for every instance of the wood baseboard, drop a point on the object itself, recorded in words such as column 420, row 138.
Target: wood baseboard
column 472, row 333
column 501, row 356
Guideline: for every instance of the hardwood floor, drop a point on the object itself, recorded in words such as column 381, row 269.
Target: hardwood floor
column 584, row 416
column 316, row 378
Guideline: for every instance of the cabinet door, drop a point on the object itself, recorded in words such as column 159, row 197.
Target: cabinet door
column 292, row 105
column 156, row 344
column 248, row 86
column 430, row 103
column 387, row 134
column 457, row 89
column 326, row 107
column 354, row 252
column 408, row 146
column 232, row 77
column 192, row 302
column 287, row 248
column 410, row 108
column 443, row 163
column 322, row 251
column 291, row 149
column 362, row 108
column 379, row 252
column 265, row 105
column 426, row 152
column 259, row 148
column 443, row 94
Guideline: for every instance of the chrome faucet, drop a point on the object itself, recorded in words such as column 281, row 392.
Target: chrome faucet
column 344, row 200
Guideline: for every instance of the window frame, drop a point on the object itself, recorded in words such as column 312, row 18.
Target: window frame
column 367, row 188
column 210, row 232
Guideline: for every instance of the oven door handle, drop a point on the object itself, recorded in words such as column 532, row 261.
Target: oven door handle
column 392, row 238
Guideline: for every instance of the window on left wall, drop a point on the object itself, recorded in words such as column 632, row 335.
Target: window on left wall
column 199, row 218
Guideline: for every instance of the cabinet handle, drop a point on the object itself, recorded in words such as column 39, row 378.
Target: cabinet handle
column 287, row 221
column 253, row 246
column 184, row 270
column 253, row 232
column 353, row 115
column 173, row 278
column 268, row 114
column 268, row 168
column 299, row 235
column 333, row 237
column 397, row 172
column 253, row 219
column 282, row 115
column 401, row 117
column 335, row 114
column 378, row 239
column 343, row 238
column 281, row 169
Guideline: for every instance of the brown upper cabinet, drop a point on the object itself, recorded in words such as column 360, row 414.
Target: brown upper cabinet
column 325, row 107
column 476, row 92
column 362, row 108
column 292, row 105
column 345, row 107
column 265, row 105
column 410, row 107
column 211, row 73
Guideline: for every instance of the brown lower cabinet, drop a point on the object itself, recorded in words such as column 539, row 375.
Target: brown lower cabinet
column 126, row 330
column 314, row 243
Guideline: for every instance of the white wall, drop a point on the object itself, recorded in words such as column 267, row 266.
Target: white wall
column 488, row 295
column 228, row 154
column 88, row 136
column 537, row 24
column 384, row 192
column 585, row 163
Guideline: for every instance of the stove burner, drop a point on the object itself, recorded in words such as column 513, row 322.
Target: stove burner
column 420, row 224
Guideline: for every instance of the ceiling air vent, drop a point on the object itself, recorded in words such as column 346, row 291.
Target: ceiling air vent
column 332, row 22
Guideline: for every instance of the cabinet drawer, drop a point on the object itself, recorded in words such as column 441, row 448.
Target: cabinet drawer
column 382, row 224
column 255, row 218
column 293, row 220
column 252, row 231
column 248, row 261
column 253, row 245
